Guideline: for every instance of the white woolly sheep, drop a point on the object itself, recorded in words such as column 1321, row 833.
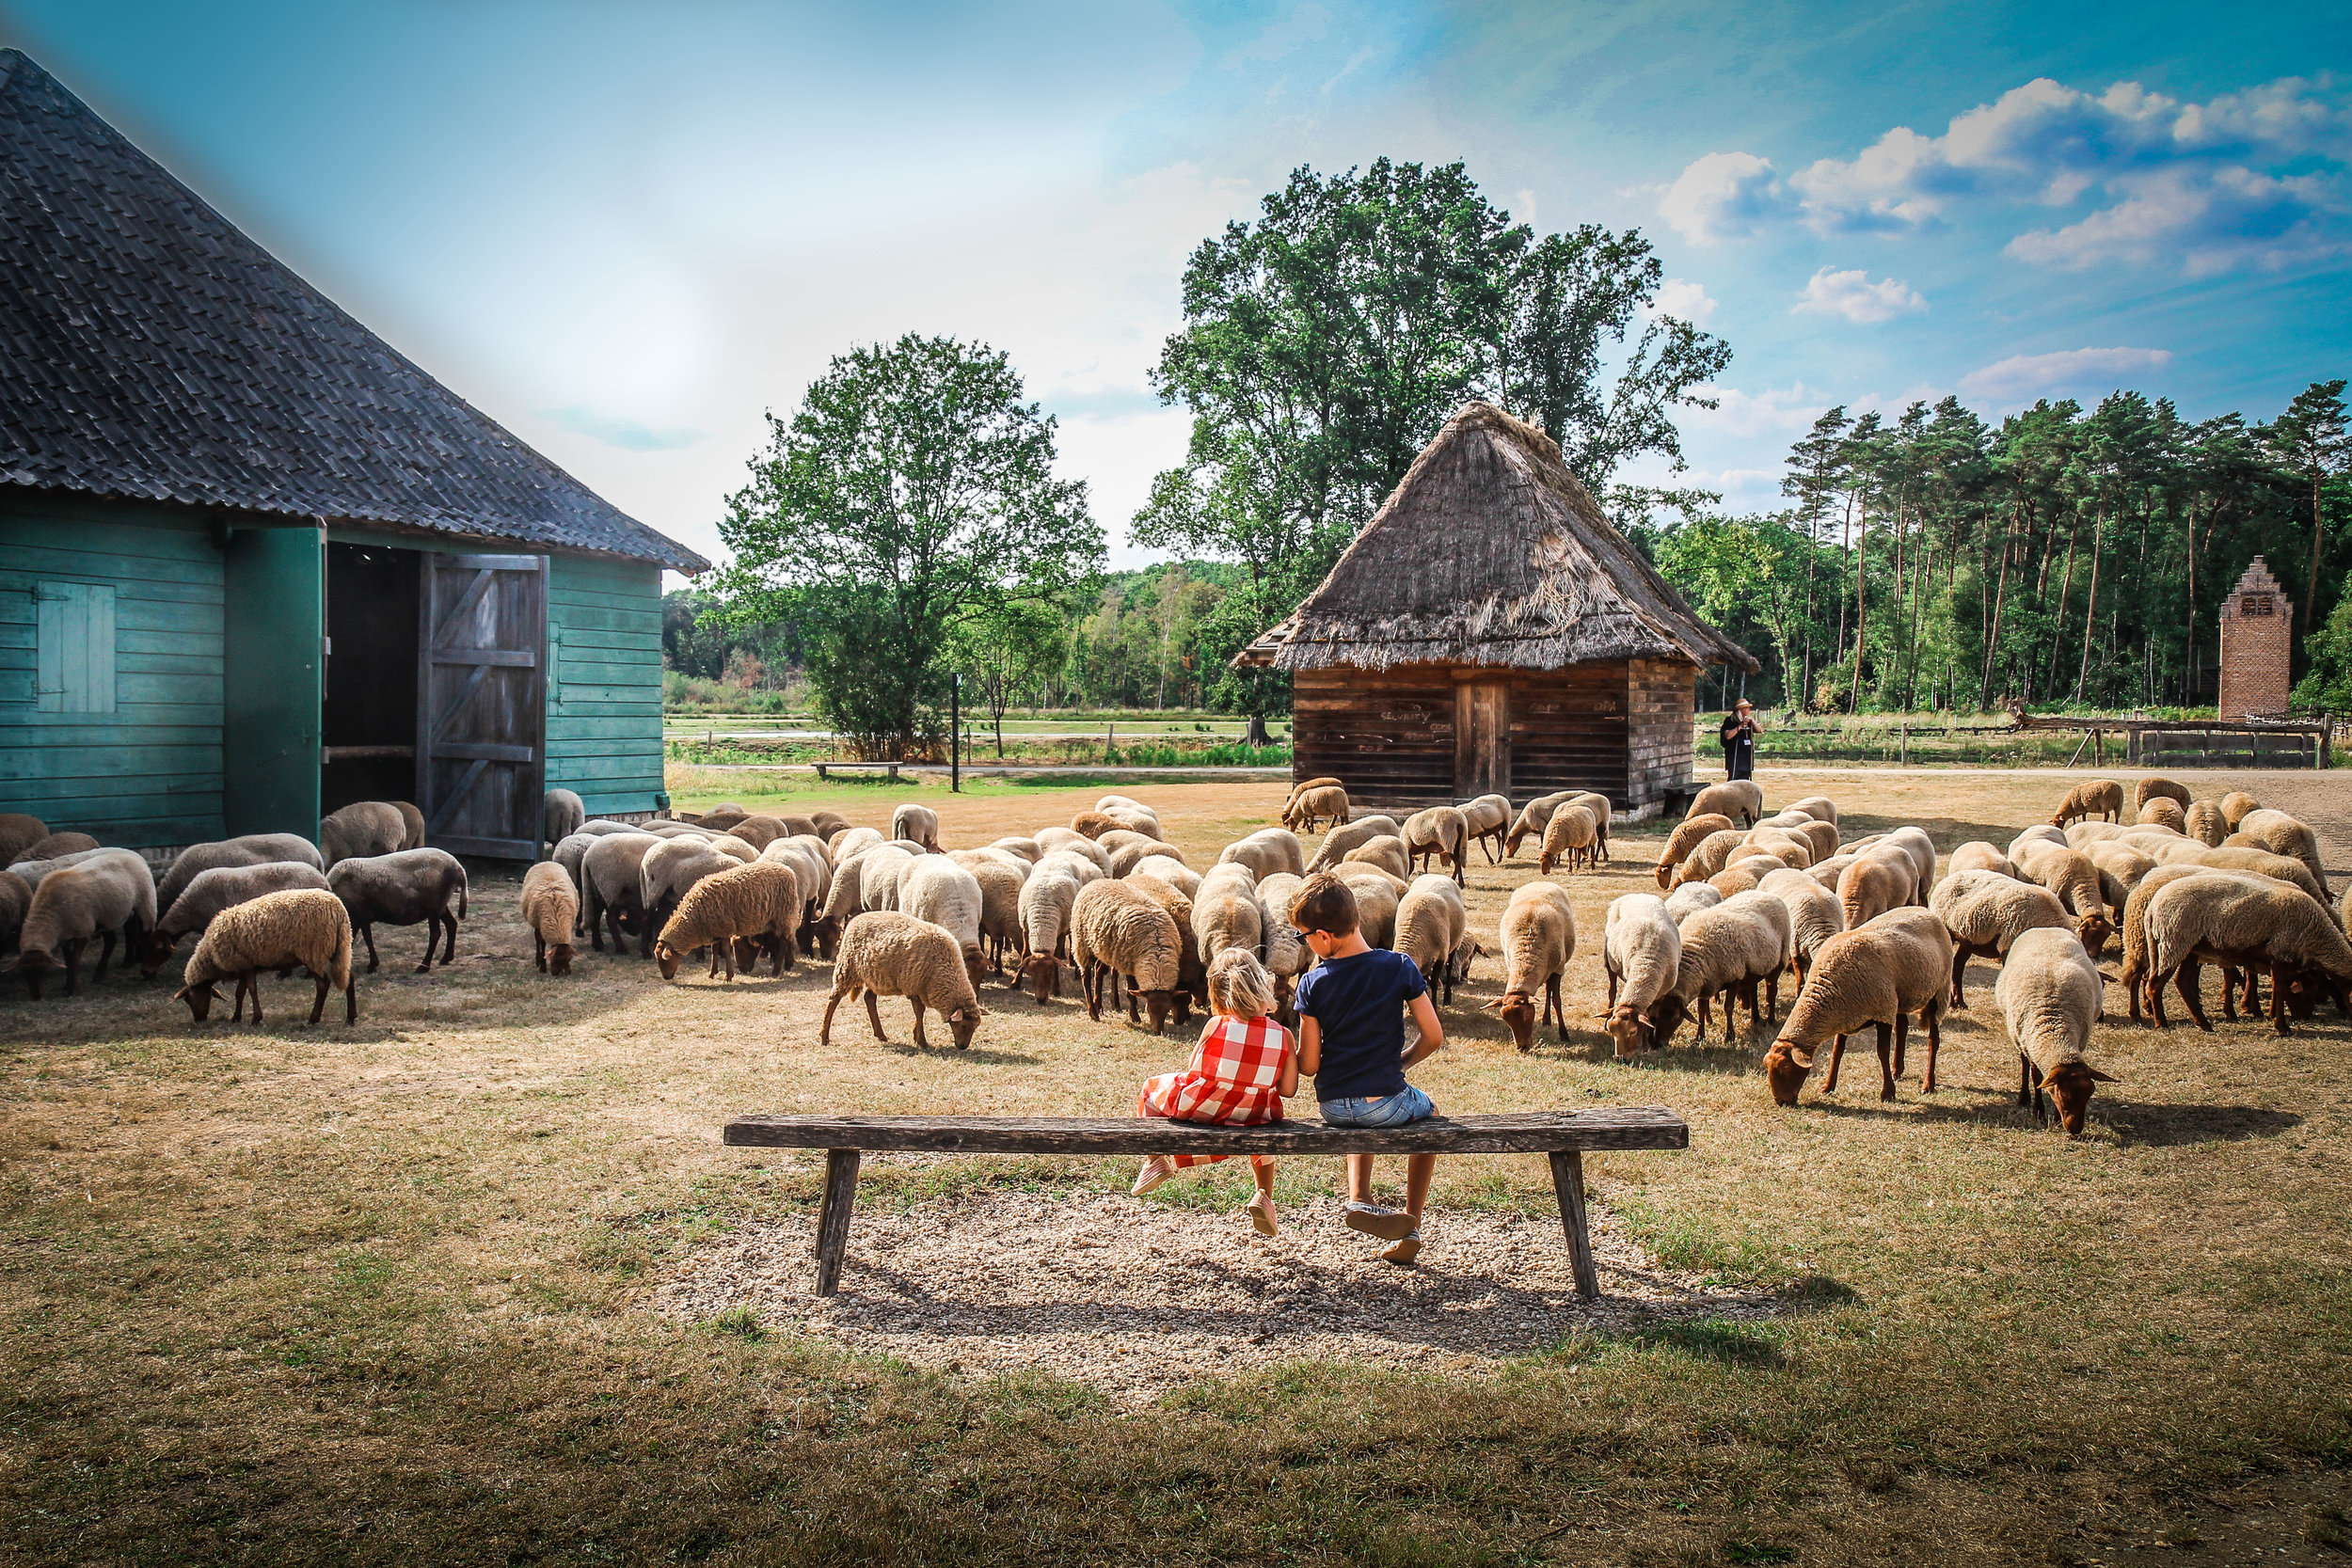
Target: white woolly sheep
column 1440, row 834
column 1048, row 900
column 1028, row 849
column 2119, row 867
column 1283, row 950
column 1192, row 975
column 1376, row 897
column 1729, row 950
column 915, row 824
column 1709, row 856
column 1985, row 912
column 210, row 891
column 1976, row 855
column 1386, row 853
column 1307, row 807
column 1688, row 835
column 1267, row 852
column 1072, row 864
column 846, row 842
column 1339, row 840
column 886, row 953
column 879, row 871
column 812, row 870
column 1001, row 878
column 109, row 894
column 1739, row 798
column 2135, row 966
column 1879, row 879
column 363, row 830
column 1534, row 818
column 2163, row 812
column 2281, row 834
column 611, row 889
column 1433, row 930
column 676, row 864
column 1183, row 878
column 1572, row 835
column 2050, row 995
column 1063, row 841
column 2204, row 823
column 1538, row 936
column 737, row 913
column 2065, row 871
column 1119, row 932
column 1814, row 915
column 1820, row 807
column 561, row 812
column 1225, row 914
column 2092, row 798
column 1488, row 818
column 1125, row 838
column 934, row 887
column 2241, row 858
column 403, row 889
column 551, row 906
column 301, row 926
column 246, row 850
column 1641, row 950
column 1691, row 897
column 1898, row 964
column 2276, row 927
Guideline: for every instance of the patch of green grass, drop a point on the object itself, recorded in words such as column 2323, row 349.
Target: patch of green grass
column 742, row 1321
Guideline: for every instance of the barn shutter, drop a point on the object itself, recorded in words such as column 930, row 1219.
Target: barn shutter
column 482, row 702
column 75, row 647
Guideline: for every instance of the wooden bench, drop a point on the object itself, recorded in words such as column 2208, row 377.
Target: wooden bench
column 1562, row 1134
column 857, row 767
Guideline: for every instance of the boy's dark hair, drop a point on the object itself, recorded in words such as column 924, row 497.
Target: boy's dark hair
column 1325, row 904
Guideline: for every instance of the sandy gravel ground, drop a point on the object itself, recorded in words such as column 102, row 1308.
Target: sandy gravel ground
column 1138, row 1297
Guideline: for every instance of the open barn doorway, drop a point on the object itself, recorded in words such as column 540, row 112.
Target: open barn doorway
column 370, row 725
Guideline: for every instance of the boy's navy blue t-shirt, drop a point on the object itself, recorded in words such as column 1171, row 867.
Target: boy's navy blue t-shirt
column 1358, row 1008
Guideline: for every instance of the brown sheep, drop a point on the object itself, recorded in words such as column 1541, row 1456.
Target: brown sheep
column 1324, row 802
column 1688, row 835
column 2164, row 811
column 1741, row 798
column 2236, row 806
column 2204, row 823
column 2159, row 789
column 884, row 952
column 552, row 910
column 2097, row 797
column 56, row 844
column 18, row 834
column 1094, row 824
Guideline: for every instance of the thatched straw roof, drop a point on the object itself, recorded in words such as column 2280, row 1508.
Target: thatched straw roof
column 1490, row 553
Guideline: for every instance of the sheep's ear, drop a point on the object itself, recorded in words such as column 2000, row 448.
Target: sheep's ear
column 1494, row 1007
column 2098, row 1077
column 1802, row 1056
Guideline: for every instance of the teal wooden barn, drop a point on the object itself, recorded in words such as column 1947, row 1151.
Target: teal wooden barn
column 255, row 564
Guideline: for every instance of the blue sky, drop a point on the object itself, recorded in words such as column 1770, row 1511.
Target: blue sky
column 627, row 230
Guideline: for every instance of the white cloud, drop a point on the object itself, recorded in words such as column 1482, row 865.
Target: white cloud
column 1853, row 296
column 1684, row 300
column 2220, row 184
column 1722, row 196
column 1774, row 411
column 2025, row 375
column 1302, row 27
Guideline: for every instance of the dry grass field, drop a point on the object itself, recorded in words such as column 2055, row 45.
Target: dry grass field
column 395, row 1292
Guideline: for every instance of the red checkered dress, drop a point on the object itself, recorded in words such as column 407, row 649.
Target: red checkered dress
column 1230, row 1080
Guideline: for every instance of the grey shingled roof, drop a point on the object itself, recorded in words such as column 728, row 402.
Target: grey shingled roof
column 149, row 349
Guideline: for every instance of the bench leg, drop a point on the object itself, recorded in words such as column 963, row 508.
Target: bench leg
column 1568, row 1180
column 832, row 1217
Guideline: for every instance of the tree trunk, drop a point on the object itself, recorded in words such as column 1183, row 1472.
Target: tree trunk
column 1860, row 607
column 1993, row 638
column 2091, row 611
column 2311, row 590
column 2066, row 591
column 1257, row 735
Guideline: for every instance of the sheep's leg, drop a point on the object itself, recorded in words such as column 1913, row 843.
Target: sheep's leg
column 2025, row 1080
column 1935, row 1043
column 1704, row 1019
column 2155, row 1000
column 367, row 934
column 1559, row 1014
column 318, row 1005
column 824, row 1032
column 919, row 1040
column 104, row 953
column 2189, row 981
column 432, row 940
column 351, row 1002
column 73, row 965
column 873, row 1015
column 1886, row 1076
column 2253, row 989
column 449, row 953
column 653, row 926
column 1959, row 972
column 2277, row 995
column 543, row 951
column 1090, row 988
column 254, row 979
column 1611, row 1005
column 1771, row 997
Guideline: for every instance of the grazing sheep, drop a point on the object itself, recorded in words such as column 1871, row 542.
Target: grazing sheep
column 300, row 926
column 1131, row 813
column 2040, row 832
column 1728, row 950
column 1898, row 964
column 2119, row 867
column 1225, row 914
column 2243, row 926
column 886, row 953
column 1386, row 853
column 363, row 830
column 1285, row 952
column 1175, row 873
column 57, row 847
column 2204, row 823
column 1814, row 915
column 1534, row 818
column 1570, row 836
column 2136, row 970
column 1489, row 818
column 1001, row 880
column 2093, row 798
column 852, row 841
column 1119, row 931
column 2050, row 994
column 1433, row 930
column 1916, row 846
column 1976, row 855
column 1873, row 884
column 209, row 891
column 2066, row 872
column 1709, row 856
column 247, row 850
column 1048, row 902
column 1640, row 949
column 812, row 871
column 1066, row 841
column 1087, row 871
column 612, row 889
column 1267, row 852
column 2242, row 858
column 2281, row 834
column 2159, row 789
column 2080, row 834
column 110, row 894
column 1339, row 841
column 758, row 831
column 1821, row 838
column 402, row 889
column 879, row 871
column 1028, row 849
column 1820, row 807
column 676, row 864
column 799, row 827
column 722, row 816
column 1743, row 875
column 1598, row 805
column 1441, row 834
column 552, row 910
column 1688, row 835
column 1301, row 786
column 412, row 820
column 1828, row 872
column 1308, row 807
column 1376, row 897
column 1094, row 824
column 912, row 845
column 737, row 913
column 16, row 897
column 1741, row 798
column 1128, row 856
column 1791, row 849
column 1691, row 897
column 1124, row 838
column 1985, row 912
column 1192, row 975
column 828, row 823
column 934, row 887
column 561, row 811
column 2236, row 806
column 18, row 834
column 2163, row 812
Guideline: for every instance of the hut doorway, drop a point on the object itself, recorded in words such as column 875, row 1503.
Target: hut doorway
column 370, row 728
column 1482, row 737
column 482, row 708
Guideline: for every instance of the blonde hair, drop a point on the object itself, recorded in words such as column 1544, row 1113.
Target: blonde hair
column 1239, row 986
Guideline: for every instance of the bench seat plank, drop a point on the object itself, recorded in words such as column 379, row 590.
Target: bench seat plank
column 1516, row 1132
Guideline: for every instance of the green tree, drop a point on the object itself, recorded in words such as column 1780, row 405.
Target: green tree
column 913, row 491
column 2328, row 686
column 2309, row 441
column 1004, row 647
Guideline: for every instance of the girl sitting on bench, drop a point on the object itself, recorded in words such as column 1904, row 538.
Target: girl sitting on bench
column 1243, row 1066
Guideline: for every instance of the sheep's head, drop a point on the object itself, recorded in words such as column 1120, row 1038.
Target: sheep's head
column 2069, row 1086
column 828, row 935
column 35, row 966
column 199, row 999
column 1545, row 862
column 1517, row 1009
column 2094, row 929
column 1665, row 875
column 668, row 958
column 1665, row 1016
column 965, row 1023
column 1511, row 840
column 560, row 958
column 2059, row 818
column 154, row 951
column 975, row 966
column 1628, row 1028
column 747, row 951
column 1155, row 1007
column 1785, row 1069
column 1041, row 974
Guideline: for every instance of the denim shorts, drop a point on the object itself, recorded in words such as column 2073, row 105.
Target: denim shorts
column 1408, row 1105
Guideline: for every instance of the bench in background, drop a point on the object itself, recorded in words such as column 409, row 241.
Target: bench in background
column 1564, row 1135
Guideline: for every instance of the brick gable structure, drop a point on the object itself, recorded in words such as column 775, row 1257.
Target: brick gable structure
column 2256, row 645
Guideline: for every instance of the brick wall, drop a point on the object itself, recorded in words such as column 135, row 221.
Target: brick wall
column 2257, row 645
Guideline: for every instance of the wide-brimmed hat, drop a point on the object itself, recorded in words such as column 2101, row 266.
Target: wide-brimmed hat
column 1743, row 703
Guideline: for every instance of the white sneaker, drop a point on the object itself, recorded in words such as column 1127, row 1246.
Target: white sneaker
column 1389, row 1225
column 1405, row 1248
column 1155, row 1170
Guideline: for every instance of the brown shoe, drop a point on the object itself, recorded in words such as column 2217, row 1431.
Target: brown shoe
column 1404, row 1249
column 1261, row 1212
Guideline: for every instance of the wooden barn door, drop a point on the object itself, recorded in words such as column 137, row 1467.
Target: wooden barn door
column 482, row 702
column 1482, row 738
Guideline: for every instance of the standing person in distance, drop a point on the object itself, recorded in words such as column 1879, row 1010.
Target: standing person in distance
column 1740, row 729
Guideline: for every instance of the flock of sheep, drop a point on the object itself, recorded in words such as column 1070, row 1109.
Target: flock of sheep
column 1870, row 935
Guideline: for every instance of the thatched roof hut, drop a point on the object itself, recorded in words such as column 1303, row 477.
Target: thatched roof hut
column 1489, row 630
